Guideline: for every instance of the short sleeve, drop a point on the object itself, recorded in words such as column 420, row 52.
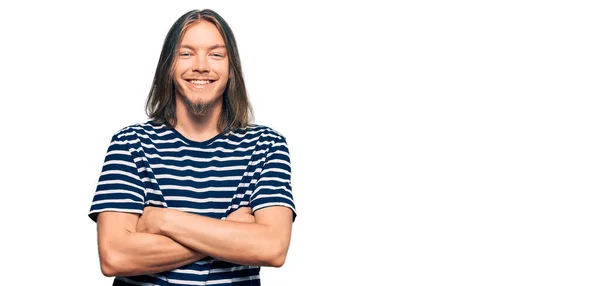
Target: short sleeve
column 273, row 187
column 120, row 187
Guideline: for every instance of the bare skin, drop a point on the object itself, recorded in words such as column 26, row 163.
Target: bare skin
column 126, row 252
column 263, row 243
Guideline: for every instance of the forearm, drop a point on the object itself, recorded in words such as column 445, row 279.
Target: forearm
column 142, row 253
column 236, row 242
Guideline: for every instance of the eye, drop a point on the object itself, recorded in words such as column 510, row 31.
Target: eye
column 185, row 54
column 218, row 55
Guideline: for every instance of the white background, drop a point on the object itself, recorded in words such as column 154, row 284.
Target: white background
column 432, row 142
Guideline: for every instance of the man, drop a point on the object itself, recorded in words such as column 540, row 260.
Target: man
column 197, row 195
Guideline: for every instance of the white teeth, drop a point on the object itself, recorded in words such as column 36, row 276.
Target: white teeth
column 199, row 82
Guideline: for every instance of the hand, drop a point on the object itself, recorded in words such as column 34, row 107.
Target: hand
column 150, row 220
column 241, row 215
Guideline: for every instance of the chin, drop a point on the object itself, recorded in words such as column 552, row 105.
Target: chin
column 199, row 106
column 194, row 99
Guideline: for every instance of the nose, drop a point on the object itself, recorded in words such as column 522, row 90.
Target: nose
column 200, row 64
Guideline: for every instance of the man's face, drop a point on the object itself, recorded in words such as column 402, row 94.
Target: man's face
column 201, row 67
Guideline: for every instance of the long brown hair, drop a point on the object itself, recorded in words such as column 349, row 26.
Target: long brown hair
column 160, row 105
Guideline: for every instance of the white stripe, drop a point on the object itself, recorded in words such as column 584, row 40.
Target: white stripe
column 191, row 271
column 196, row 159
column 186, row 282
column 156, row 141
column 144, row 169
column 264, row 179
column 199, row 211
column 279, row 144
column 247, row 133
column 188, row 199
column 230, row 142
column 271, row 135
column 260, row 143
column 272, row 196
column 277, row 170
column 164, row 133
column 151, row 180
column 190, row 168
column 254, row 163
column 216, row 270
column 270, row 188
column 282, row 152
column 120, row 182
column 120, row 162
column 118, row 191
column 126, row 142
column 245, row 185
column 197, row 190
column 279, row 161
column 122, row 133
column 119, row 172
column 205, row 179
column 116, row 210
column 159, row 127
column 115, row 201
column 256, row 208
column 132, row 133
column 118, row 152
column 231, row 269
column 155, row 192
column 166, row 141
column 153, row 202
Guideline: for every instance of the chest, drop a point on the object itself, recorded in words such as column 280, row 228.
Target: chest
column 204, row 184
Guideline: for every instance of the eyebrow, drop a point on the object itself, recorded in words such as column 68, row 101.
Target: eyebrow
column 210, row 48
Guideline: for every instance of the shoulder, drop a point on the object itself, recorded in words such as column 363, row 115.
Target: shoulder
column 265, row 138
column 139, row 130
column 259, row 131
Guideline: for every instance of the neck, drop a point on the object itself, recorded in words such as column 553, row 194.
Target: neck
column 198, row 127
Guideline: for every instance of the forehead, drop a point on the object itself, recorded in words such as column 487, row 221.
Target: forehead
column 202, row 34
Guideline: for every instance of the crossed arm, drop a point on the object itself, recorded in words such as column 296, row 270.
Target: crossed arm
column 163, row 239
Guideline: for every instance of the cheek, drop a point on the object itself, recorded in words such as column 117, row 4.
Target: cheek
column 222, row 69
column 178, row 69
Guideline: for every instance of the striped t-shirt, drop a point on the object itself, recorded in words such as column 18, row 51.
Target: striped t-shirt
column 152, row 164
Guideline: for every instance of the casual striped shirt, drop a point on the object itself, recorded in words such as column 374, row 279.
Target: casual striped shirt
column 150, row 164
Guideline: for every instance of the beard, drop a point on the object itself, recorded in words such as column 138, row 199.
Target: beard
column 198, row 108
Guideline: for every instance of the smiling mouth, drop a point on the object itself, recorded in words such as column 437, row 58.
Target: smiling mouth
column 200, row 83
